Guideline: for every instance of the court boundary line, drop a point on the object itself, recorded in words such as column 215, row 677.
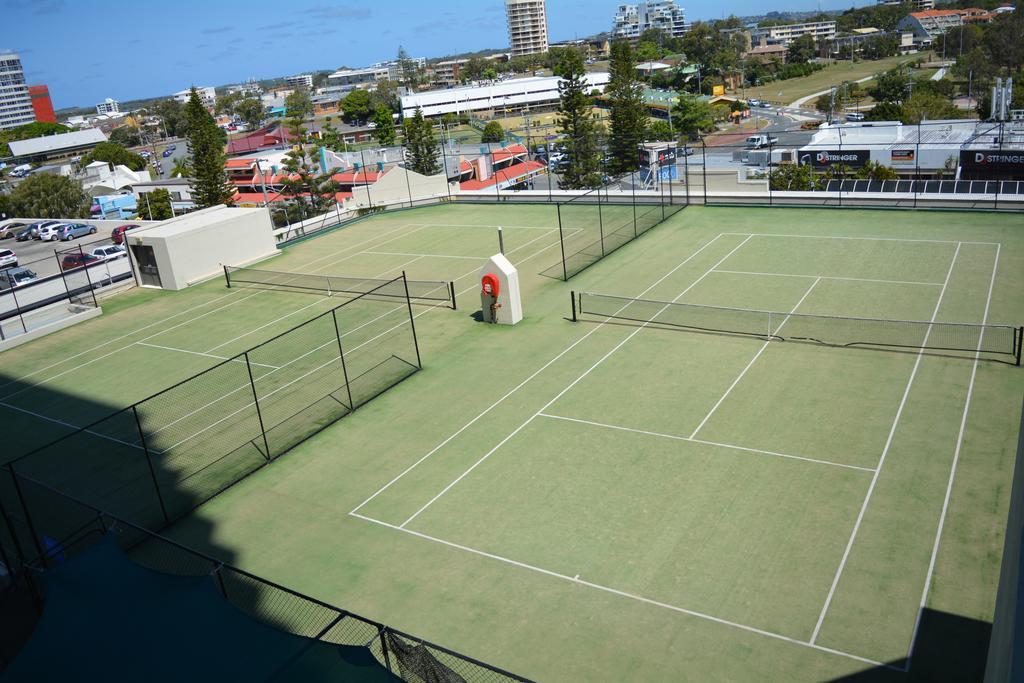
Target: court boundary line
column 952, row 471
column 831, row 277
column 625, row 594
column 885, row 452
column 523, row 383
column 574, row 382
column 402, row 253
column 201, row 353
column 753, row 360
column 688, row 439
column 857, row 237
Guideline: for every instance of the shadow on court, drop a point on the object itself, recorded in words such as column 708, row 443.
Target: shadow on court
column 949, row 648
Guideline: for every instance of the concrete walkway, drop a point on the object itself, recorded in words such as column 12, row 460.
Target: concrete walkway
column 804, row 100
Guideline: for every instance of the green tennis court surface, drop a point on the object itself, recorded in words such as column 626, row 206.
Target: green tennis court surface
column 605, row 499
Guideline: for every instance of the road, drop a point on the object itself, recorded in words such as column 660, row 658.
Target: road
column 156, row 151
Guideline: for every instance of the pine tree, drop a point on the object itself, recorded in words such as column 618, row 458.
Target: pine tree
column 421, row 146
column 384, row 130
column 206, row 146
column 628, row 113
column 576, row 123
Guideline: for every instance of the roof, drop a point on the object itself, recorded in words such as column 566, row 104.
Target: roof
column 653, row 66
column 923, row 14
column 508, row 152
column 56, row 143
column 356, row 177
column 190, row 222
column 513, row 173
column 767, row 49
column 866, row 30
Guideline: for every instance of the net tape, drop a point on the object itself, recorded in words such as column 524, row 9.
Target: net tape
column 427, row 290
column 823, row 329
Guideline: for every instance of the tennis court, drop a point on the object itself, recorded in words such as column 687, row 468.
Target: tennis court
column 650, row 492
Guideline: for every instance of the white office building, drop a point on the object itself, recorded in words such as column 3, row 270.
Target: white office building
column 518, row 94
column 108, row 106
column 527, row 27
column 632, row 20
column 394, row 67
column 15, row 101
column 207, row 95
column 787, row 33
column 350, row 79
column 301, row 81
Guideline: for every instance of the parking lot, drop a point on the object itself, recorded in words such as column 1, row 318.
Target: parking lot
column 42, row 257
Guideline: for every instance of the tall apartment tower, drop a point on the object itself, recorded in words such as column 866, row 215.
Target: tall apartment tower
column 527, row 26
column 15, row 101
column 632, row 20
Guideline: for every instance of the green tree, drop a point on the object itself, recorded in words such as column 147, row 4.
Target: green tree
column 113, row 153
column 356, row 107
column 660, row 131
column 628, row 112
column 298, row 104
column 872, row 170
column 493, row 132
column 155, row 205
column 126, row 136
column 227, row 103
column 577, row 125
column 647, row 51
column 409, row 72
column 311, row 191
column 172, row 117
column 421, row 148
column 802, row 50
column 891, row 86
column 692, row 115
column 928, row 106
column 251, row 111
column 45, row 195
column 386, row 95
column 384, row 127
column 474, row 69
column 206, row 147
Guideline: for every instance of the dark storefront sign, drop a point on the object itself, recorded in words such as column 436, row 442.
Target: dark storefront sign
column 826, row 158
column 663, row 157
column 991, row 164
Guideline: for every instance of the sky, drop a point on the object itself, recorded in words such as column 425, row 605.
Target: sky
column 88, row 50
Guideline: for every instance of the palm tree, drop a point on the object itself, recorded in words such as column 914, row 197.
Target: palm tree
column 181, row 169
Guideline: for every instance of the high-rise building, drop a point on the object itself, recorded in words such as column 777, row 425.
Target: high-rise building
column 42, row 106
column 632, row 20
column 527, row 27
column 108, row 106
column 15, row 102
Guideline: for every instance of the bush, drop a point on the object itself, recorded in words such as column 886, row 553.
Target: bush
column 493, row 132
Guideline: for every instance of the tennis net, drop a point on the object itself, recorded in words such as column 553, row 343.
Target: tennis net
column 422, row 290
column 1002, row 340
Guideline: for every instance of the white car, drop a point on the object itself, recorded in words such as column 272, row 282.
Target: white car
column 49, row 233
column 8, row 259
column 109, row 253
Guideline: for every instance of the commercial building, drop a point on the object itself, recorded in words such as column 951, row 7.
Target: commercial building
column 55, row 147
column 108, row 106
column 207, row 95
column 632, row 20
column 42, row 106
column 527, row 27
column 448, row 73
column 917, row 5
column 350, row 79
column 300, row 81
column 929, row 24
column 787, row 33
column 15, row 101
column 394, row 67
column 519, row 94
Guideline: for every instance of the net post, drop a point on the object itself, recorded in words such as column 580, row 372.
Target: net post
column 384, row 647
column 256, row 402
column 149, row 463
column 451, row 290
column 572, row 296
column 769, row 324
column 1020, row 342
column 412, row 323
column 328, row 279
column 561, row 242
column 341, row 355
column 227, row 276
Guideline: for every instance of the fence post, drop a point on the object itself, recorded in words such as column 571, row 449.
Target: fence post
column 149, row 462
column 341, row 355
column 220, row 581
column 451, row 289
column 600, row 222
column 384, row 646
column 561, row 241
column 28, row 515
column 412, row 323
column 256, row 402
column 704, row 166
column 632, row 185
column 17, row 307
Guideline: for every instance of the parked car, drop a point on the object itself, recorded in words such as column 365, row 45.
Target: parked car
column 33, row 229
column 117, row 235
column 15, row 277
column 168, row 152
column 48, row 232
column 109, row 253
column 173, row 147
column 8, row 259
column 24, row 235
column 70, row 231
column 11, row 229
column 72, row 261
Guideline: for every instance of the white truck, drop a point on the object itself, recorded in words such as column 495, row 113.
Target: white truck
column 761, row 140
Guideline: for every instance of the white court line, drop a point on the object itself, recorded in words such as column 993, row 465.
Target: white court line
column 707, row 443
column 952, row 471
column 110, row 341
column 831, row 277
column 571, row 384
column 65, row 424
column 624, row 594
column 754, row 359
column 482, row 225
column 200, row 353
column 516, row 388
column 885, row 452
column 402, row 253
column 847, row 237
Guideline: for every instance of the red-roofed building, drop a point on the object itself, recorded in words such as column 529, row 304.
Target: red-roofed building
column 267, row 137
column 510, row 176
column 504, row 168
column 928, row 24
column 41, row 104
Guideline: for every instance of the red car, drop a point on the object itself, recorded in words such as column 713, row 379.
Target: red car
column 117, row 236
column 72, row 261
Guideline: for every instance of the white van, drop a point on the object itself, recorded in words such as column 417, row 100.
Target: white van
column 855, row 116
